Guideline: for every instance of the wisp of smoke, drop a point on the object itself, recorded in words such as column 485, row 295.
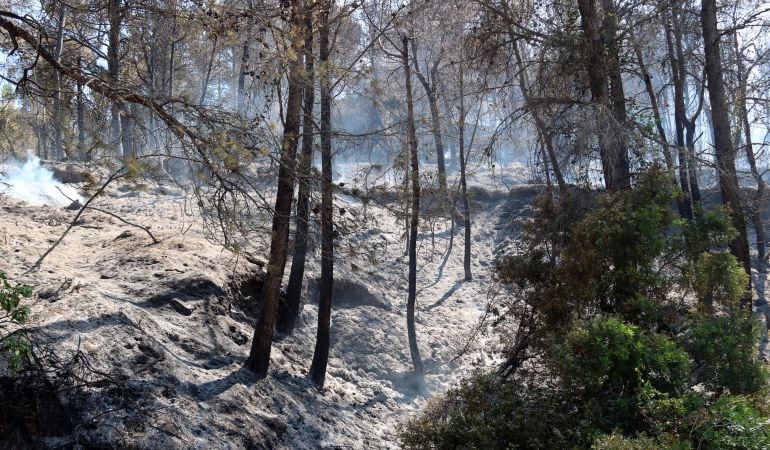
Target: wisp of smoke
column 35, row 184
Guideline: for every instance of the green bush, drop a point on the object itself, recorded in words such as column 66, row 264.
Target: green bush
column 631, row 321
column 13, row 343
column 725, row 352
column 731, row 422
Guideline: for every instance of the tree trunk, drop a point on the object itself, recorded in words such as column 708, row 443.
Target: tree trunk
column 545, row 133
column 415, row 213
column 58, row 116
column 756, row 208
column 321, row 353
column 653, row 97
column 259, row 357
column 463, row 184
column 724, row 151
column 207, row 76
column 113, row 67
column 81, row 116
column 614, row 155
column 241, row 95
column 287, row 316
column 430, row 86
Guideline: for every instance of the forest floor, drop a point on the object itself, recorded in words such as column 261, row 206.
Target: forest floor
column 166, row 329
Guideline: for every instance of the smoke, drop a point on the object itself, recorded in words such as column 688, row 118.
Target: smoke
column 32, row 183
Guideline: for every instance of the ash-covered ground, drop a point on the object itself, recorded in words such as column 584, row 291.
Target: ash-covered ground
column 167, row 324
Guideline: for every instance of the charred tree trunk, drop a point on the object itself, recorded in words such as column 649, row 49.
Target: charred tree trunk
column 288, row 314
column 724, row 151
column 321, row 354
column 414, row 223
column 259, row 357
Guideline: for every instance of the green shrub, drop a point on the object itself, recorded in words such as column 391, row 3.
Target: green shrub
column 610, row 365
column 13, row 343
column 731, row 422
column 725, row 352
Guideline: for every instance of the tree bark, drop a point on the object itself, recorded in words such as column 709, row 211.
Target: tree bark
column 463, row 184
column 321, row 353
column 259, row 357
column 724, row 151
column 287, row 316
column 113, row 67
column 653, row 97
column 756, row 208
column 430, row 87
column 613, row 152
column 58, row 116
column 81, row 115
column 414, row 350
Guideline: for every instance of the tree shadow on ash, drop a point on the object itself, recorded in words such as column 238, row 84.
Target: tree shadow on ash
column 458, row 284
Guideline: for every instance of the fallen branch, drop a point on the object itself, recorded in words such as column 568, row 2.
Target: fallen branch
column 104, row 211
column 117, row 174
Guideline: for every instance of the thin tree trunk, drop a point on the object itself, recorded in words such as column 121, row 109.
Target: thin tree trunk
column 756, row 208
column 317, row 371
column 653, row 97
column 429, row 85
column 724, row 151
column 58, row 116
column 81, row 116
column 545, row 133
column 287, row 315
column 415, row 213
column 241, row 95
column 463, row 184
column 259, row 357
column 207, row 77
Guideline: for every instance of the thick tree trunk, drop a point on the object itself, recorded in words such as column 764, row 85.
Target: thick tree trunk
column 612, row 149
column 287, row 316
column 724, row 151
column 414, row 223
column 113, row 67
column 321, row 353
column 259, row 357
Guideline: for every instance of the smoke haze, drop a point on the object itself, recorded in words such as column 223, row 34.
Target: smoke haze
column 34, row 184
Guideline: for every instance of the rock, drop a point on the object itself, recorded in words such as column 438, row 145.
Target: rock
column 276, row 424
column 74, row 206
column 180, row 307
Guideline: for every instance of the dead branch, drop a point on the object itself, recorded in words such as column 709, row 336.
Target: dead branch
column 115, row 175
